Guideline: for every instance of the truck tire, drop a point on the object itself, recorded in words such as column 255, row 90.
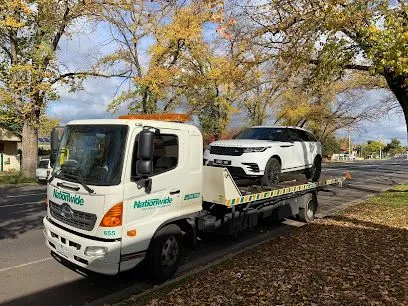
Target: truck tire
column 307, row 214
column 272, row 172
column 313, row 173
column 165, row 252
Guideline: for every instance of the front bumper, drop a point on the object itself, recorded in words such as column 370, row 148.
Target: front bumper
column 247, row 164
column 72, row 247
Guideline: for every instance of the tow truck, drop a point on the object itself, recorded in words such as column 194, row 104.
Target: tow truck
column 134, row 189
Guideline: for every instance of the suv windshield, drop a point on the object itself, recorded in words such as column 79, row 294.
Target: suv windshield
column 272, row 134
column 92, row 154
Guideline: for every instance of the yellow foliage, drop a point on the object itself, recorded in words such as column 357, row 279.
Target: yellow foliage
column 13, row 23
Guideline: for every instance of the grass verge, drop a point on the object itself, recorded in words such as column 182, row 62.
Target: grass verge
column 14, row 179
column 357, row 257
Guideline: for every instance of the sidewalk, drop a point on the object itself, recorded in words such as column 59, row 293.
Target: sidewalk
column 355, row 257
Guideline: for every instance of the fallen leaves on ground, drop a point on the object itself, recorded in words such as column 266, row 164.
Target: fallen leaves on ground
column 359, row 257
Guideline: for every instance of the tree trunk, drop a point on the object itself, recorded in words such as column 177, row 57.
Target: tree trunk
column 399, row 86
column 29, row 149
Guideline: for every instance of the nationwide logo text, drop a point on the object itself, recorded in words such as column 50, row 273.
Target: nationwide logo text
column 67, row 197
column 152, row 203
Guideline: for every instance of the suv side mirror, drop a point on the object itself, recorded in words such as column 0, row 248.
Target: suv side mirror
column 144, row 163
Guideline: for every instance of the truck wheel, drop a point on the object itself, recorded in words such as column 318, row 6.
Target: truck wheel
column 272, row 172
column 165, row 252
column 307, row 214
column 313, row 173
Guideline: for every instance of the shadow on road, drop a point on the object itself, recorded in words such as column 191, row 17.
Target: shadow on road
column 359, row 261
column 94, row 286
column 16, row 220
column 78, row 292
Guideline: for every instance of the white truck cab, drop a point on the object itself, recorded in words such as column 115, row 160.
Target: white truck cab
column 101, row 205
column 130, row 188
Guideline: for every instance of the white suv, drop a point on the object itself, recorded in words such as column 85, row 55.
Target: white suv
column 266, row 152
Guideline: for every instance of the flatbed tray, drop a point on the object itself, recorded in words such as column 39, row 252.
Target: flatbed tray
column 257, row 192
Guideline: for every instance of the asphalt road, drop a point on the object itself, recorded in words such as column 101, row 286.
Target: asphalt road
column 30, row 276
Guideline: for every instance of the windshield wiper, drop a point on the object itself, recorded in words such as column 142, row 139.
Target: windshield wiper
column 76, row 178
column 54, row 174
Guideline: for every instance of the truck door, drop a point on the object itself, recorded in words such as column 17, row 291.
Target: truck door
column 146, row 209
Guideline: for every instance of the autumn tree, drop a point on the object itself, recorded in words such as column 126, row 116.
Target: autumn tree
column 260, row 88
column 373, row 147
column 330, row 146
column 132, row 24
column 12, row 122
column 329, row 108
column 394, row 147
column 30, row 33
column 335, row 36
column 186, row 70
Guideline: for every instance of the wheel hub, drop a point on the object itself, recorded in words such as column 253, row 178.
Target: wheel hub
column 310, row 209
column 170, row 252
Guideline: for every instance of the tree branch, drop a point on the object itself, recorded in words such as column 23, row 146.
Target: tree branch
column 348, row 66
column 88, row 73
column 8, row 53
column 61, row 29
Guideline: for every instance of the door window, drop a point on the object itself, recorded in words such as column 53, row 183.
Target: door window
column 165, row 155
column 294, row 135
column 303, row 135
column 311, row 137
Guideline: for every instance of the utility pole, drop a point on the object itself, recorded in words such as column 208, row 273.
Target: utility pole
column 349, row 143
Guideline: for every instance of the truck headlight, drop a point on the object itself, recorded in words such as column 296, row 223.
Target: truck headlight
column 255, row 149
column 96, row 251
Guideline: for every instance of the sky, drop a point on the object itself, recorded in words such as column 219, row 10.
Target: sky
column 92, row 101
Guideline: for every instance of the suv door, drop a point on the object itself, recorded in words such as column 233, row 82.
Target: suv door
column 309, row 147
column 298, row 148
column 286, row 149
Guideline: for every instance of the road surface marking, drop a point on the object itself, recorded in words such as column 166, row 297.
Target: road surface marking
column 26, row 264
column 25, row 195
column 20, row 204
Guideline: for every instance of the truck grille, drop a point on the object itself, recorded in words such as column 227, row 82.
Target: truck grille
column 231, row 151
column 75, row 218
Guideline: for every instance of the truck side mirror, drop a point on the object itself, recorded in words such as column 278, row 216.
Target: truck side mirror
column 53, row 158
column 144, row 163
column 55, row 139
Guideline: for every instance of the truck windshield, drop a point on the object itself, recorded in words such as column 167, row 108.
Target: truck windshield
column 272, row 134
column 92, row 154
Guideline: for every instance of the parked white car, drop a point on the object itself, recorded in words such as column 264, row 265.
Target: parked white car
column 266, row 152
column 43, row 170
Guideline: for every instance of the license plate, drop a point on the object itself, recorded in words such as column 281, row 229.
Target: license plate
column 63, row 250
column 222, row 162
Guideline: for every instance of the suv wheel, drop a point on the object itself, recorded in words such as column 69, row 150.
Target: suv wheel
column 272, row 172
column 313, row 173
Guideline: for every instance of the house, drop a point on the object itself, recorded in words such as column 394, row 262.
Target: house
column 9, row 157
column 44, row 143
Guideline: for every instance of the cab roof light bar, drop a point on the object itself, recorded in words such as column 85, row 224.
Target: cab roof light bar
column 174, row 117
